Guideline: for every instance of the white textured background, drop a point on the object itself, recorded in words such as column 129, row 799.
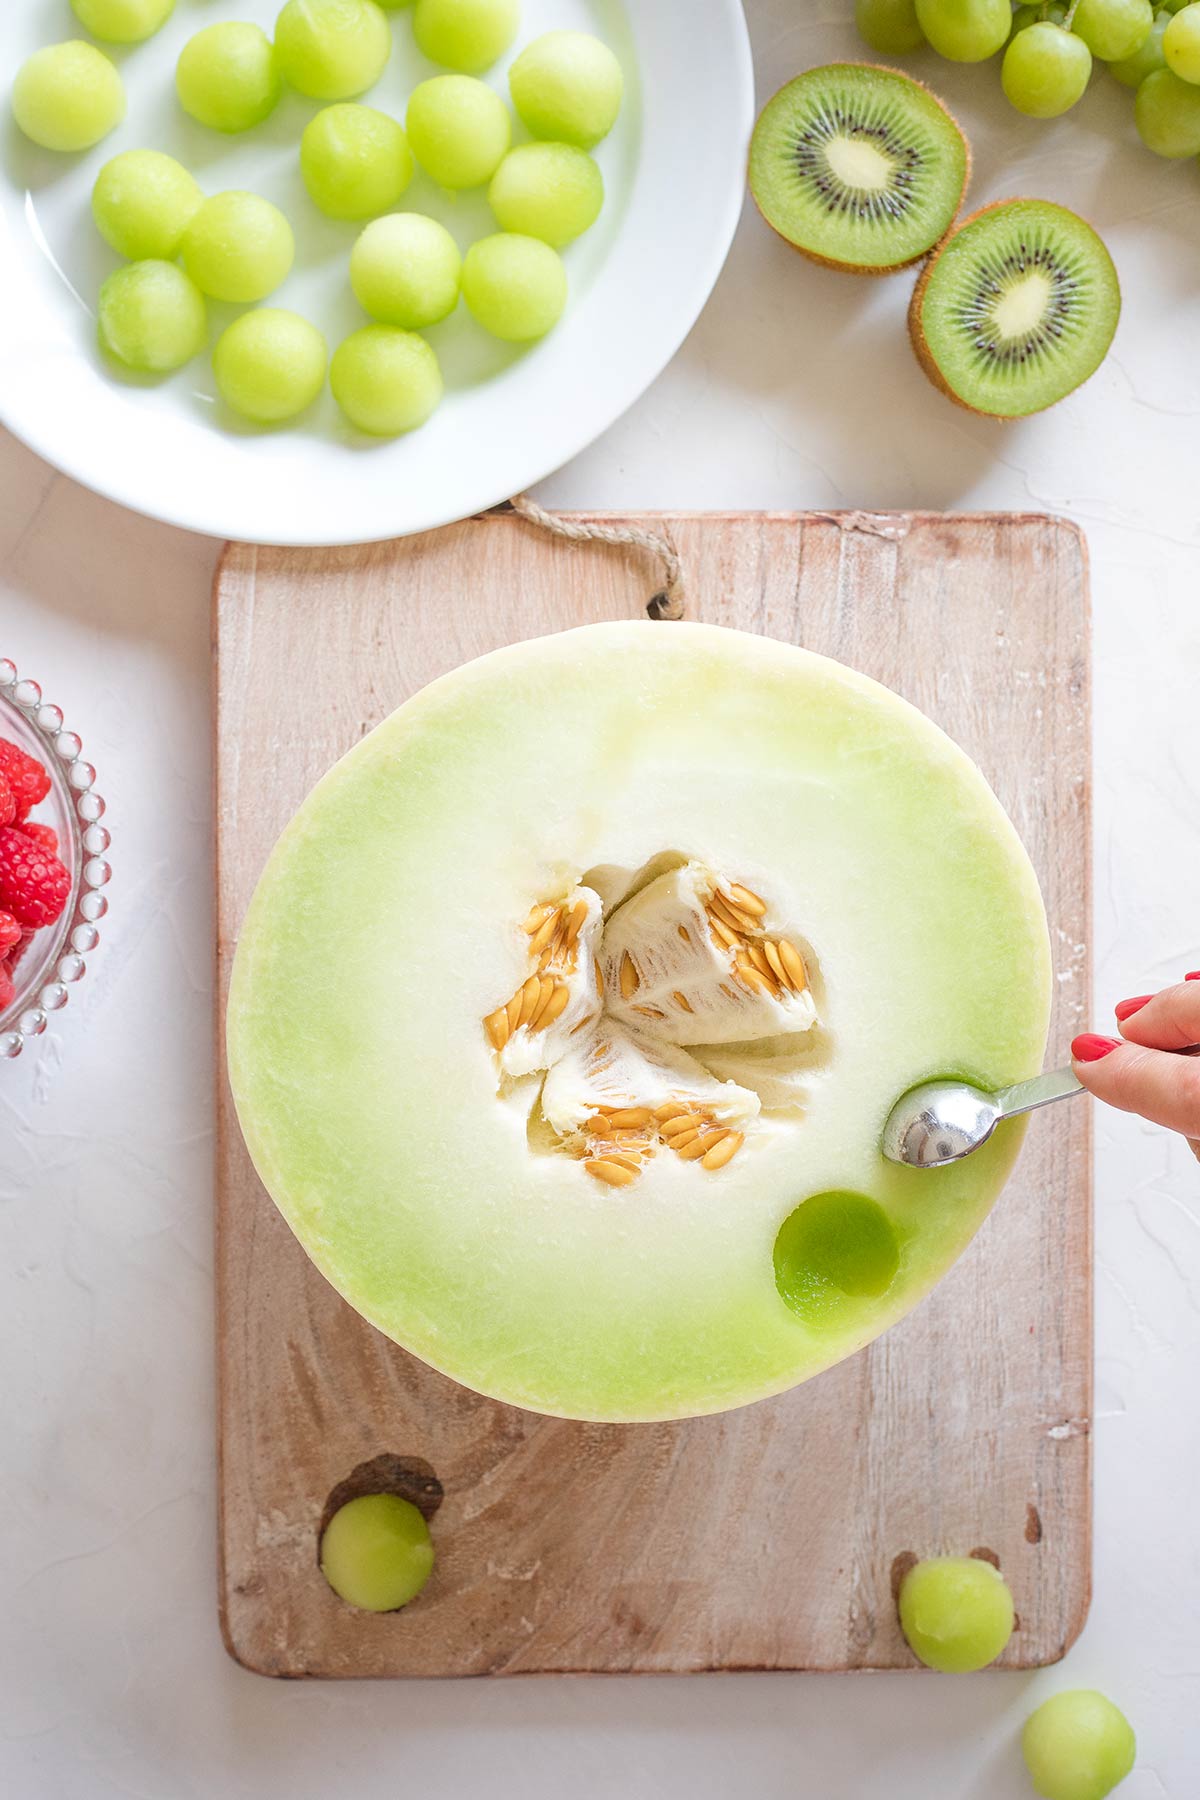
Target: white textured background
column 795, row 390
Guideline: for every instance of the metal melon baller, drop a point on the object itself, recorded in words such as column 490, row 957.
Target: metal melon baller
column 943, row 1121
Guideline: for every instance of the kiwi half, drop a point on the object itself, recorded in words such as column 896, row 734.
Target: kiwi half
column 860, row 167
column 1017, row 308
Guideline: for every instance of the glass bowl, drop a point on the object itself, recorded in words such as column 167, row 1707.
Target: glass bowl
column 53, row 960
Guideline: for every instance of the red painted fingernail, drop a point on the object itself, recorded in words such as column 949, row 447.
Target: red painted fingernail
column 1125, row 1009
column 1090, row 1048
column 1194, row 976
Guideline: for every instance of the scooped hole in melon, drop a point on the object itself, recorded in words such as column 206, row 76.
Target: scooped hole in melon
column 834, row 1249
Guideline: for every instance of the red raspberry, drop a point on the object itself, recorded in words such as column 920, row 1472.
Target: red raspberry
column 25, row 776
column 7, row 988
column 34, row 886
column 45, row 835
column 10, row 934
column 8, row 806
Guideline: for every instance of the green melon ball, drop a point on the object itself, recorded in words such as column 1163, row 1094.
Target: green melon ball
column 227, row 76
column 1078, row 1746
column 956, row 1612
column 567, row 86
column 332, row 49
column 515, row 286
column 238, row 247
column 465, row 34
column 405, row 270
column 385, row 380
column 376, row 1552
column 122, row 21
column 152, row 317
column 459, row 130
column 142, row 203
column 355, row 161
column 270, row 365
column 548, row 191
column 68, row 96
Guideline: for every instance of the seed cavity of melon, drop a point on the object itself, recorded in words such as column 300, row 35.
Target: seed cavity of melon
column 609, row 1007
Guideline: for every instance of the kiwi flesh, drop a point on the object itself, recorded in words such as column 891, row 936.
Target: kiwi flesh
column 1017, row 308
column 858, row 166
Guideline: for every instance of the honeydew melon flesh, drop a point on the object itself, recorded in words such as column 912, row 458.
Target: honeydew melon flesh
column 439, row 1170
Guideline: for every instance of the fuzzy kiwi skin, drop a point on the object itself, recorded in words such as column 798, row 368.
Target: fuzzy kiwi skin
column 875, row 269
column 917, row 335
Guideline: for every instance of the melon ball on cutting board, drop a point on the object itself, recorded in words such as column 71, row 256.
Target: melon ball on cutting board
column 68, row 96
column 143, row 202
column 385, row 380
column 355, row 161
column 515, row 286
column 405, row 270
column 151, row 317
column 238, row 247
column 270, row 364
column 227, row 76
column 332, row 49
column 376, row 1552
column 567, row 86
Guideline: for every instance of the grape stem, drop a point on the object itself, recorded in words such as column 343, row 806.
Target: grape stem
column 1069, row 21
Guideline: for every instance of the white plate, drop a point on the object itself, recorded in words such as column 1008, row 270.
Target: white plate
column 674, row 168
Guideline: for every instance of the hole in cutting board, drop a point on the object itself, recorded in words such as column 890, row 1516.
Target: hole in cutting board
column 410, row 1477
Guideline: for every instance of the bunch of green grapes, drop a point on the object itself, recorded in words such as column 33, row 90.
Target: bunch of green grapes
column 1152, row 46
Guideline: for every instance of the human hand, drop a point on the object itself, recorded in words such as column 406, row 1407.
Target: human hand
column 1135, row 1071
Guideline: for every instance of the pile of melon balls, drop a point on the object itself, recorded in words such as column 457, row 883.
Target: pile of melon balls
column 405, row 269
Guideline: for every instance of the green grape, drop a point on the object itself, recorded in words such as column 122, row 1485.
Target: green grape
column 68, row 96
column 889, row 26
column 548, row 191
column 1077, row 1746
column 376, row 1552
column 405, row 270
column 459, row 130
column 1113, row 29
column 227, row 76
column 332, row 49
column 238, row 247
column 122, row 21
column 956, row 1612
column 355, row 161
column 965, row 30
column 465, row 34
column 1046, row 70
column 142, row 203
column 270, row 365
column 1131, row 71
column 567, row 86
column 516, row 287
column 151, row 317
column 386, row 381
column 1167, row 115
column 1181, row 44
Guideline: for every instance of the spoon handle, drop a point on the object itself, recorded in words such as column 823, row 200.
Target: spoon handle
column 1056, row 1084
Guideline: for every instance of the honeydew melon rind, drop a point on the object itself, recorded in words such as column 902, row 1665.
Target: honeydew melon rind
column 367, row 1090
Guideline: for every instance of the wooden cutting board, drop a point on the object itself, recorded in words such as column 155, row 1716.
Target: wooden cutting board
column 769, row 1538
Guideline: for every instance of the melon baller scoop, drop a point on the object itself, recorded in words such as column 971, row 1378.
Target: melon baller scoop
column 943, row 1121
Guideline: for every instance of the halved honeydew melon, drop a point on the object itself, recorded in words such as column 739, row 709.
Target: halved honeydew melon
column 558, row 1199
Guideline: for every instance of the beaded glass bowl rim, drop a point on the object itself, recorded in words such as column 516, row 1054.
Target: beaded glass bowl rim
column 61, row 963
